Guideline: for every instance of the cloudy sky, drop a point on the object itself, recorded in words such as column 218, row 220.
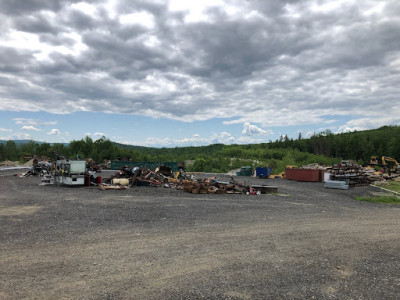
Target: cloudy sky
column 178, row 72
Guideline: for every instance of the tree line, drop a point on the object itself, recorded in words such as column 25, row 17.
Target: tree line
column 356, row 145
column 324, row 148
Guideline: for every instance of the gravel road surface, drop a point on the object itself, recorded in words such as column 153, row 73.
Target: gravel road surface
column 159, row 243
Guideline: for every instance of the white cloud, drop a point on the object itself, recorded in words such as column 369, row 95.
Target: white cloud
column 309, row 134
column 370, row 122
column 16, row 136
column 30, row 128
column 101, row 134
column 33, row 122
column 54, row 131
column 5, row 130
column 348, row 129
column 195, row 140
column 23, row 121
column 249, row 130
column 138, row 18
column 48, row 123
column 249, row 140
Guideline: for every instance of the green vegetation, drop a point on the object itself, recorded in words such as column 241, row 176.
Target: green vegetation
column 324, row 148
column 381, row 199
column 393, row 186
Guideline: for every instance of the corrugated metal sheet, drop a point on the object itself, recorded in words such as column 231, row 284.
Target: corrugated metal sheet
column 336, row 184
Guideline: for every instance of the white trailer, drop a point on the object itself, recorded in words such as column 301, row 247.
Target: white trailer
column 70, row 172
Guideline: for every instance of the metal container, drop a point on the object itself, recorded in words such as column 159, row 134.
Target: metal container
column 299, row 174
column 245, row 171
column 263, row 172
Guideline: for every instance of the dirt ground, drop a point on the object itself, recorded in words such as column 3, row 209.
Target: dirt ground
column 159, row 243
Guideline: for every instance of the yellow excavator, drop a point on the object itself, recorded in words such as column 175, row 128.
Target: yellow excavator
column 373, row 161
column 393, row 167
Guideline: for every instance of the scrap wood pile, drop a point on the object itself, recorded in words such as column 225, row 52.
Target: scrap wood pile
column 350, row 172
column 213, row 186
column 354, row 174
column 373, row 175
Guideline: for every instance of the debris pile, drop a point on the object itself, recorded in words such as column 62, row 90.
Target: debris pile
column 38, row 168
column 213, row 186
column 314, row 166
column 163, row 176
column 139, row 176
column 353, row 174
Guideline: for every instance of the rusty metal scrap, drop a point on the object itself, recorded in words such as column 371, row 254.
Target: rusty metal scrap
column 213, row 186
column 163, row 177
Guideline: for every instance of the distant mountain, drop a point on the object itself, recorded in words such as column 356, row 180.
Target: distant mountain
column 19, row 142
column 132, row 147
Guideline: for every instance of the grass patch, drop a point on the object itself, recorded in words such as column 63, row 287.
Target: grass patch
column 380, row 199
column 393, row 186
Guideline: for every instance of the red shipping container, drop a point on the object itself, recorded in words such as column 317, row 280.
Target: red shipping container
column 304, row 174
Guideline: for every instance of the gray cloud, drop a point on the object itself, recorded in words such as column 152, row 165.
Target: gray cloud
column 37, row 23
column 265, row 62
column 26, row 7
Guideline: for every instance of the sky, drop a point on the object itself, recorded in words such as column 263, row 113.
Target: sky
column 188, row 73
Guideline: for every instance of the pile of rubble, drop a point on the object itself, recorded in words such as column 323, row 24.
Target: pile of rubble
column 343, row 175
column 314, row 166
column 38, row 168
column 213, row 186
column 163, row 176
column 139, row 176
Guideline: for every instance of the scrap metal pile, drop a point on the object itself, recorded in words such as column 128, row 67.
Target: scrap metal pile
column 63, row 170
column 38, row 168
column 138, row 176
column 213, row 186
column 163, row 176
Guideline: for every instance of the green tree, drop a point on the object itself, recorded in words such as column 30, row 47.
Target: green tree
column 11, row 151
column 199, row 164
column 76, row 149
column 105, row 149
column 2, row 152
column 60, row 149
column 29, row 148
column 44, row 150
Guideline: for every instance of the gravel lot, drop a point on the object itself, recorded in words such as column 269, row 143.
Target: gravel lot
column 159, row 243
